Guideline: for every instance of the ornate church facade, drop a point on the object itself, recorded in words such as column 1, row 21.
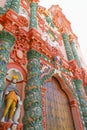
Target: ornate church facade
column 41, row 61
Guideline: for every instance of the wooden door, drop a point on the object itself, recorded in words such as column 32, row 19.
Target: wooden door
column 58, row 112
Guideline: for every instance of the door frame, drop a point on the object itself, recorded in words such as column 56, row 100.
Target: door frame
column 73, row 104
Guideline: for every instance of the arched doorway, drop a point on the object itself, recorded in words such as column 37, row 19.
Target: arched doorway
column 58, row 112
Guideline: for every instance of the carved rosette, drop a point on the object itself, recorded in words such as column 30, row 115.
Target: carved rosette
column 6, row 42
column 32, row 103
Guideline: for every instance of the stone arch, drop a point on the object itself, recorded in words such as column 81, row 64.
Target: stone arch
column 64, row 87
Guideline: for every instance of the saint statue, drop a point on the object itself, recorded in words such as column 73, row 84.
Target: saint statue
column 10, row 101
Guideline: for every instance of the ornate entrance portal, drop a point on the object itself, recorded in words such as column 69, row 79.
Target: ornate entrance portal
column 58, row 113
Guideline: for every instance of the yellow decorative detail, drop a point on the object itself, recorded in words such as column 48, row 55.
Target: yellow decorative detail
column 14, row 77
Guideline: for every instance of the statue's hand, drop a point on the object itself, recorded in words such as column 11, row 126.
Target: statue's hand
column 20, row 103
column 6, row 93
column 18, row 98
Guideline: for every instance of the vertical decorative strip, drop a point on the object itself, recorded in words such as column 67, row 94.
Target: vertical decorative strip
column 82, row 103
column 6, row 42
column 67, row 47
column 85, row 87
column 43, row 109
column 33, row 17
column 75, row 53
column 75, row 111
column 33, row 103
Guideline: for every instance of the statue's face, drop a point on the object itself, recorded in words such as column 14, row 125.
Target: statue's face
column 14, row 127
column 14, row 80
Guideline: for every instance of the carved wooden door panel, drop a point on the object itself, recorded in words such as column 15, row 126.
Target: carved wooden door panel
column 58, row 113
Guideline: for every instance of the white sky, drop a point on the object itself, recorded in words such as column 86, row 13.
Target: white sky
column 76, row 12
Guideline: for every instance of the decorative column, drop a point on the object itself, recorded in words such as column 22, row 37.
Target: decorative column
column 33, row 100
column 82, row 102
column 67, row 46
column 33, row 14
column 75, row 53
column 6, row 42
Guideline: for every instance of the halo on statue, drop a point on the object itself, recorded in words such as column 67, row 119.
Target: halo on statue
column 14, row 74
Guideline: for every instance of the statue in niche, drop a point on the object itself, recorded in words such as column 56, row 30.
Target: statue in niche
column 11, row 102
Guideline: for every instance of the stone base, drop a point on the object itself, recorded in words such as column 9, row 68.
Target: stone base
column 6, row 125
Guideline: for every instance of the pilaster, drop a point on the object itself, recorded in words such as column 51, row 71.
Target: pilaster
column 75, row 53
column 33, row 14
column 67, row 46
column 6, row 42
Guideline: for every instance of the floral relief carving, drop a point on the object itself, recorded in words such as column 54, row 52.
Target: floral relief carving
column 19, row 50
column 23, row 21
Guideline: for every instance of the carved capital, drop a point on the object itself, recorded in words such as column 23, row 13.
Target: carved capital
column 73, row 64
column 62, row 30
column 72, row 37
column 84, row 76
column 75, row 69
column 73, row 103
